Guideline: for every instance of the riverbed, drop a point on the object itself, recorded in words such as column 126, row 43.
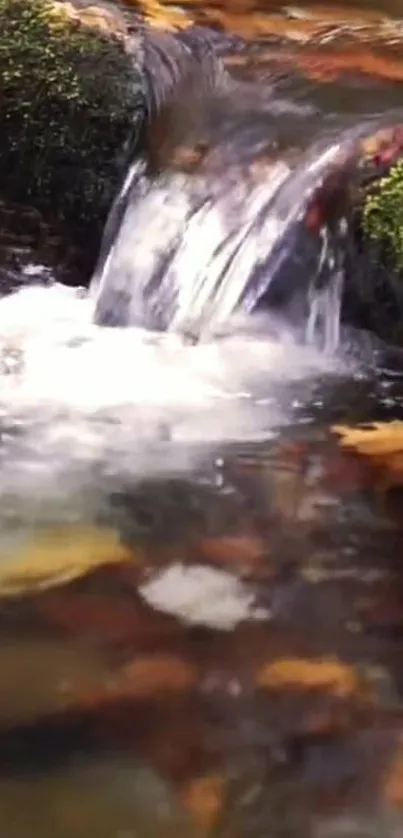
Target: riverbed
column 200, row 589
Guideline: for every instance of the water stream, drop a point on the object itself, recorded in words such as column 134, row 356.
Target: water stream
column 241, row 674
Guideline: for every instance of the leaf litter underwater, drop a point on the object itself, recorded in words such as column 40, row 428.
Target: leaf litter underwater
column 200, row 577
column 211, row 463
column 181, row 545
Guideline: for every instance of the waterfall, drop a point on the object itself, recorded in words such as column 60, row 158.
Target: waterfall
column 192, row 250
column 244, row 226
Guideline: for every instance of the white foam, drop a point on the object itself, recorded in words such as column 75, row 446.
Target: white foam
column 202, row 596
column 84, row 397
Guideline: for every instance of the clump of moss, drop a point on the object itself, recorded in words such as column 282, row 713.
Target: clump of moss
column 383, row 214
column 69, row 96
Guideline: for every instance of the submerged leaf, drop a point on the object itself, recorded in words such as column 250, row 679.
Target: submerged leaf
column 377, row 439
column 159, row 673
column 325, row 674
column 203, row 797
column 55, row 556
column 380, row 442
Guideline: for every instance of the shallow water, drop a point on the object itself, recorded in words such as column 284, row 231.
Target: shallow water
column 243, row 666
column 239, row 673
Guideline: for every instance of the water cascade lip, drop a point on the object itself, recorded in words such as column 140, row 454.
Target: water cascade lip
column 184, row 68
column 191, row 251
column 246, row 227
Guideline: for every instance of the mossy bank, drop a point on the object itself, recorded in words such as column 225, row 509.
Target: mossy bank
column 373, row 249
column 70, row 96
column 383, row 213
column 376, row 274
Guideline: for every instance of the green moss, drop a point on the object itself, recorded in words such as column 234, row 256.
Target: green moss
column 68, row 98
column 383, row 214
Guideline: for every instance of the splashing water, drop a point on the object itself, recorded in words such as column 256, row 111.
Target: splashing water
column 220, row 218
column 79, row 401
column 191, row 252
column 184, row 251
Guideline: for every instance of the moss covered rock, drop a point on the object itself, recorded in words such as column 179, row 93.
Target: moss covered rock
column 70, row 96
column 383, row 213
column 373, row 295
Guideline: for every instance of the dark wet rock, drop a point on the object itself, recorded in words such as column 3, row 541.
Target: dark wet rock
column 244, row 553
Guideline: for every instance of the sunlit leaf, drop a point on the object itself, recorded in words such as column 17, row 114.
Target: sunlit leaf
column 53, row 557
column 381, row 442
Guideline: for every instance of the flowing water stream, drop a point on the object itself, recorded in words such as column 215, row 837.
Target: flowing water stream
column 241, row 674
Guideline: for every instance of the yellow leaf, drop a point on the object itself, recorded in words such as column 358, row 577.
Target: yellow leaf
column 381, row 443
column 303, row 674
column 53, row 557
column 374, row 440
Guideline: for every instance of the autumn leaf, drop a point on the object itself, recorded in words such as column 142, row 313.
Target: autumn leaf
column 166, row 673
column 330, row 675
column 203, row 797
column 380, row 442
column 55, row 556
column 392, row 785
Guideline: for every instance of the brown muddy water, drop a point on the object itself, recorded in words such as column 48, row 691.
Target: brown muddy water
column 201, row 609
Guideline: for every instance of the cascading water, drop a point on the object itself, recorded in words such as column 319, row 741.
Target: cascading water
column 243, row 248
column 186, row 250
column 192, row 251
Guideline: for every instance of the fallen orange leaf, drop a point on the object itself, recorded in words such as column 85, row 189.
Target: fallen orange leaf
column 381, row 443
column 203, row 798
column 377, row 439
column 309, row 674
column 147, row 676
column 392, row 786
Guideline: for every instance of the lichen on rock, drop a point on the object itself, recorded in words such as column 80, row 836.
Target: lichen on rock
column 69, row 97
